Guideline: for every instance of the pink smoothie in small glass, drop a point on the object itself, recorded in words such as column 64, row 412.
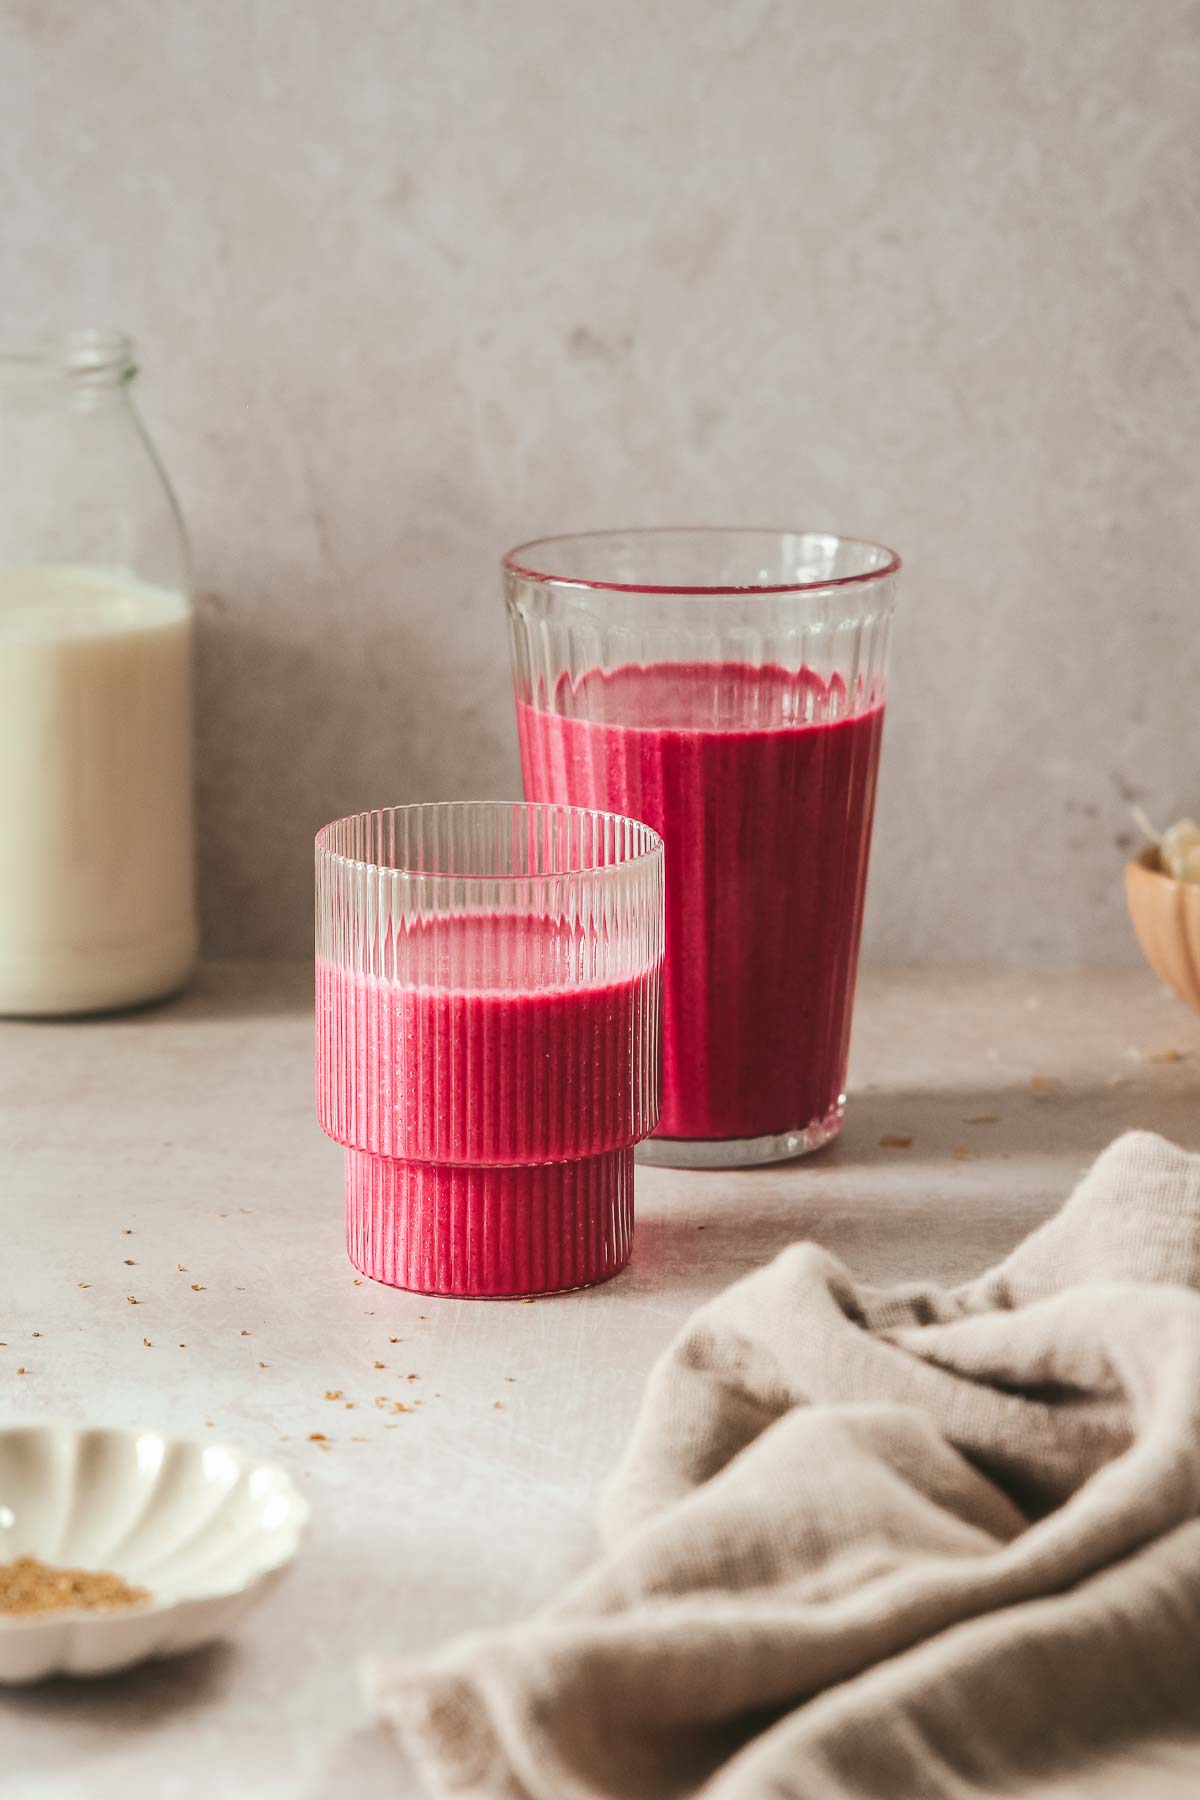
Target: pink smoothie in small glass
column 762, row 789
column 489, row 1101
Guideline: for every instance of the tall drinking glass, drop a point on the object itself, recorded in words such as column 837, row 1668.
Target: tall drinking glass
column 488, row 1039
column 728, row 688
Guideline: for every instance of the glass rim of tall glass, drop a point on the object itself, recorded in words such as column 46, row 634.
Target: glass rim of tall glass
column 550, row 561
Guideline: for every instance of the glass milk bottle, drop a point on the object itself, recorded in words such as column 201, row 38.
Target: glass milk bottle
column 97, row 902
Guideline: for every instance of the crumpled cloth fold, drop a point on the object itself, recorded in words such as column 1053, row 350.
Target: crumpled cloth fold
column 874, row 1542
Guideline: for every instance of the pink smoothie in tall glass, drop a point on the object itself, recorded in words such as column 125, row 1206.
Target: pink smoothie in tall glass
column 762, row 785
column 488, row 1096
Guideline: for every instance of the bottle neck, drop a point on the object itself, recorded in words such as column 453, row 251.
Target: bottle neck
column 80, row 368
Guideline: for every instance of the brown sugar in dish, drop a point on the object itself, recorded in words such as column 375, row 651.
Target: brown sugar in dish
column 28, row 1585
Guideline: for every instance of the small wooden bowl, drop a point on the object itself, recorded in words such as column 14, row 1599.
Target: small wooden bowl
column 1166, row 917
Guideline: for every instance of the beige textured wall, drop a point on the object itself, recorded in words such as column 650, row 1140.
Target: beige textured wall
column 413, row 281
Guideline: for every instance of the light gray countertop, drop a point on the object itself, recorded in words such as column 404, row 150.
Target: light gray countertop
column 186, row 1135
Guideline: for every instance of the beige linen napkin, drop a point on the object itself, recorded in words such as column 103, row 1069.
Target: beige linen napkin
column 865, row 1542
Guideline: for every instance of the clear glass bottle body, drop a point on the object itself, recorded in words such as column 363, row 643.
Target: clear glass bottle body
column 727, row 688
column 97, row 879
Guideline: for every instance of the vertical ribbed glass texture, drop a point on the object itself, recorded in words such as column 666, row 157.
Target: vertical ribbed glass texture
column 727, row 688
column 488, row 1038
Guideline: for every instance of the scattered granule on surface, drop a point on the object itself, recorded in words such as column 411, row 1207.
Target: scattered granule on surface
column 35, row 1334
column 132, row 1299
column 20, row 1371
column 895, row 1140
column 262, row 1365
column 28, row 1585
column 380, row 1365
column 381, row 1399
column 357, row 1282
column 317, row 1437
column 222, row 1215
column 83, row 1284
column 497, row 1406
column 183, row 1346
column 243, row 1334
column 963, row 1153
column 412, row 1378
column 399, row 1406
column 129, row 1263
column 284, row 1438
column 350, row 1405
column 1044, row 1084
column 125, row 1231
column 210, row 1424
column 180, row 1269
column 1166, row 1056
column 147, row 1343
column 393, row 1340
column 982, row 1119
column 333, row 1393
column 527, row 1300
column 198, row 1287
column 510, row 1378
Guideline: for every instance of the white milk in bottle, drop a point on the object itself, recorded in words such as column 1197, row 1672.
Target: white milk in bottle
column 97, row 908
column 96, row 876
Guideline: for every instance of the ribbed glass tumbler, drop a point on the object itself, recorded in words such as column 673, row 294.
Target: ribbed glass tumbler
column 727, row 687
column 488, row 1039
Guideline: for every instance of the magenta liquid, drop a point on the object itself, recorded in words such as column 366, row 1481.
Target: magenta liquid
column 490, row 1095
column 763, row 793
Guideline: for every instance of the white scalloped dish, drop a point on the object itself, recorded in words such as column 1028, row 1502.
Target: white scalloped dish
column 206, row 1529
